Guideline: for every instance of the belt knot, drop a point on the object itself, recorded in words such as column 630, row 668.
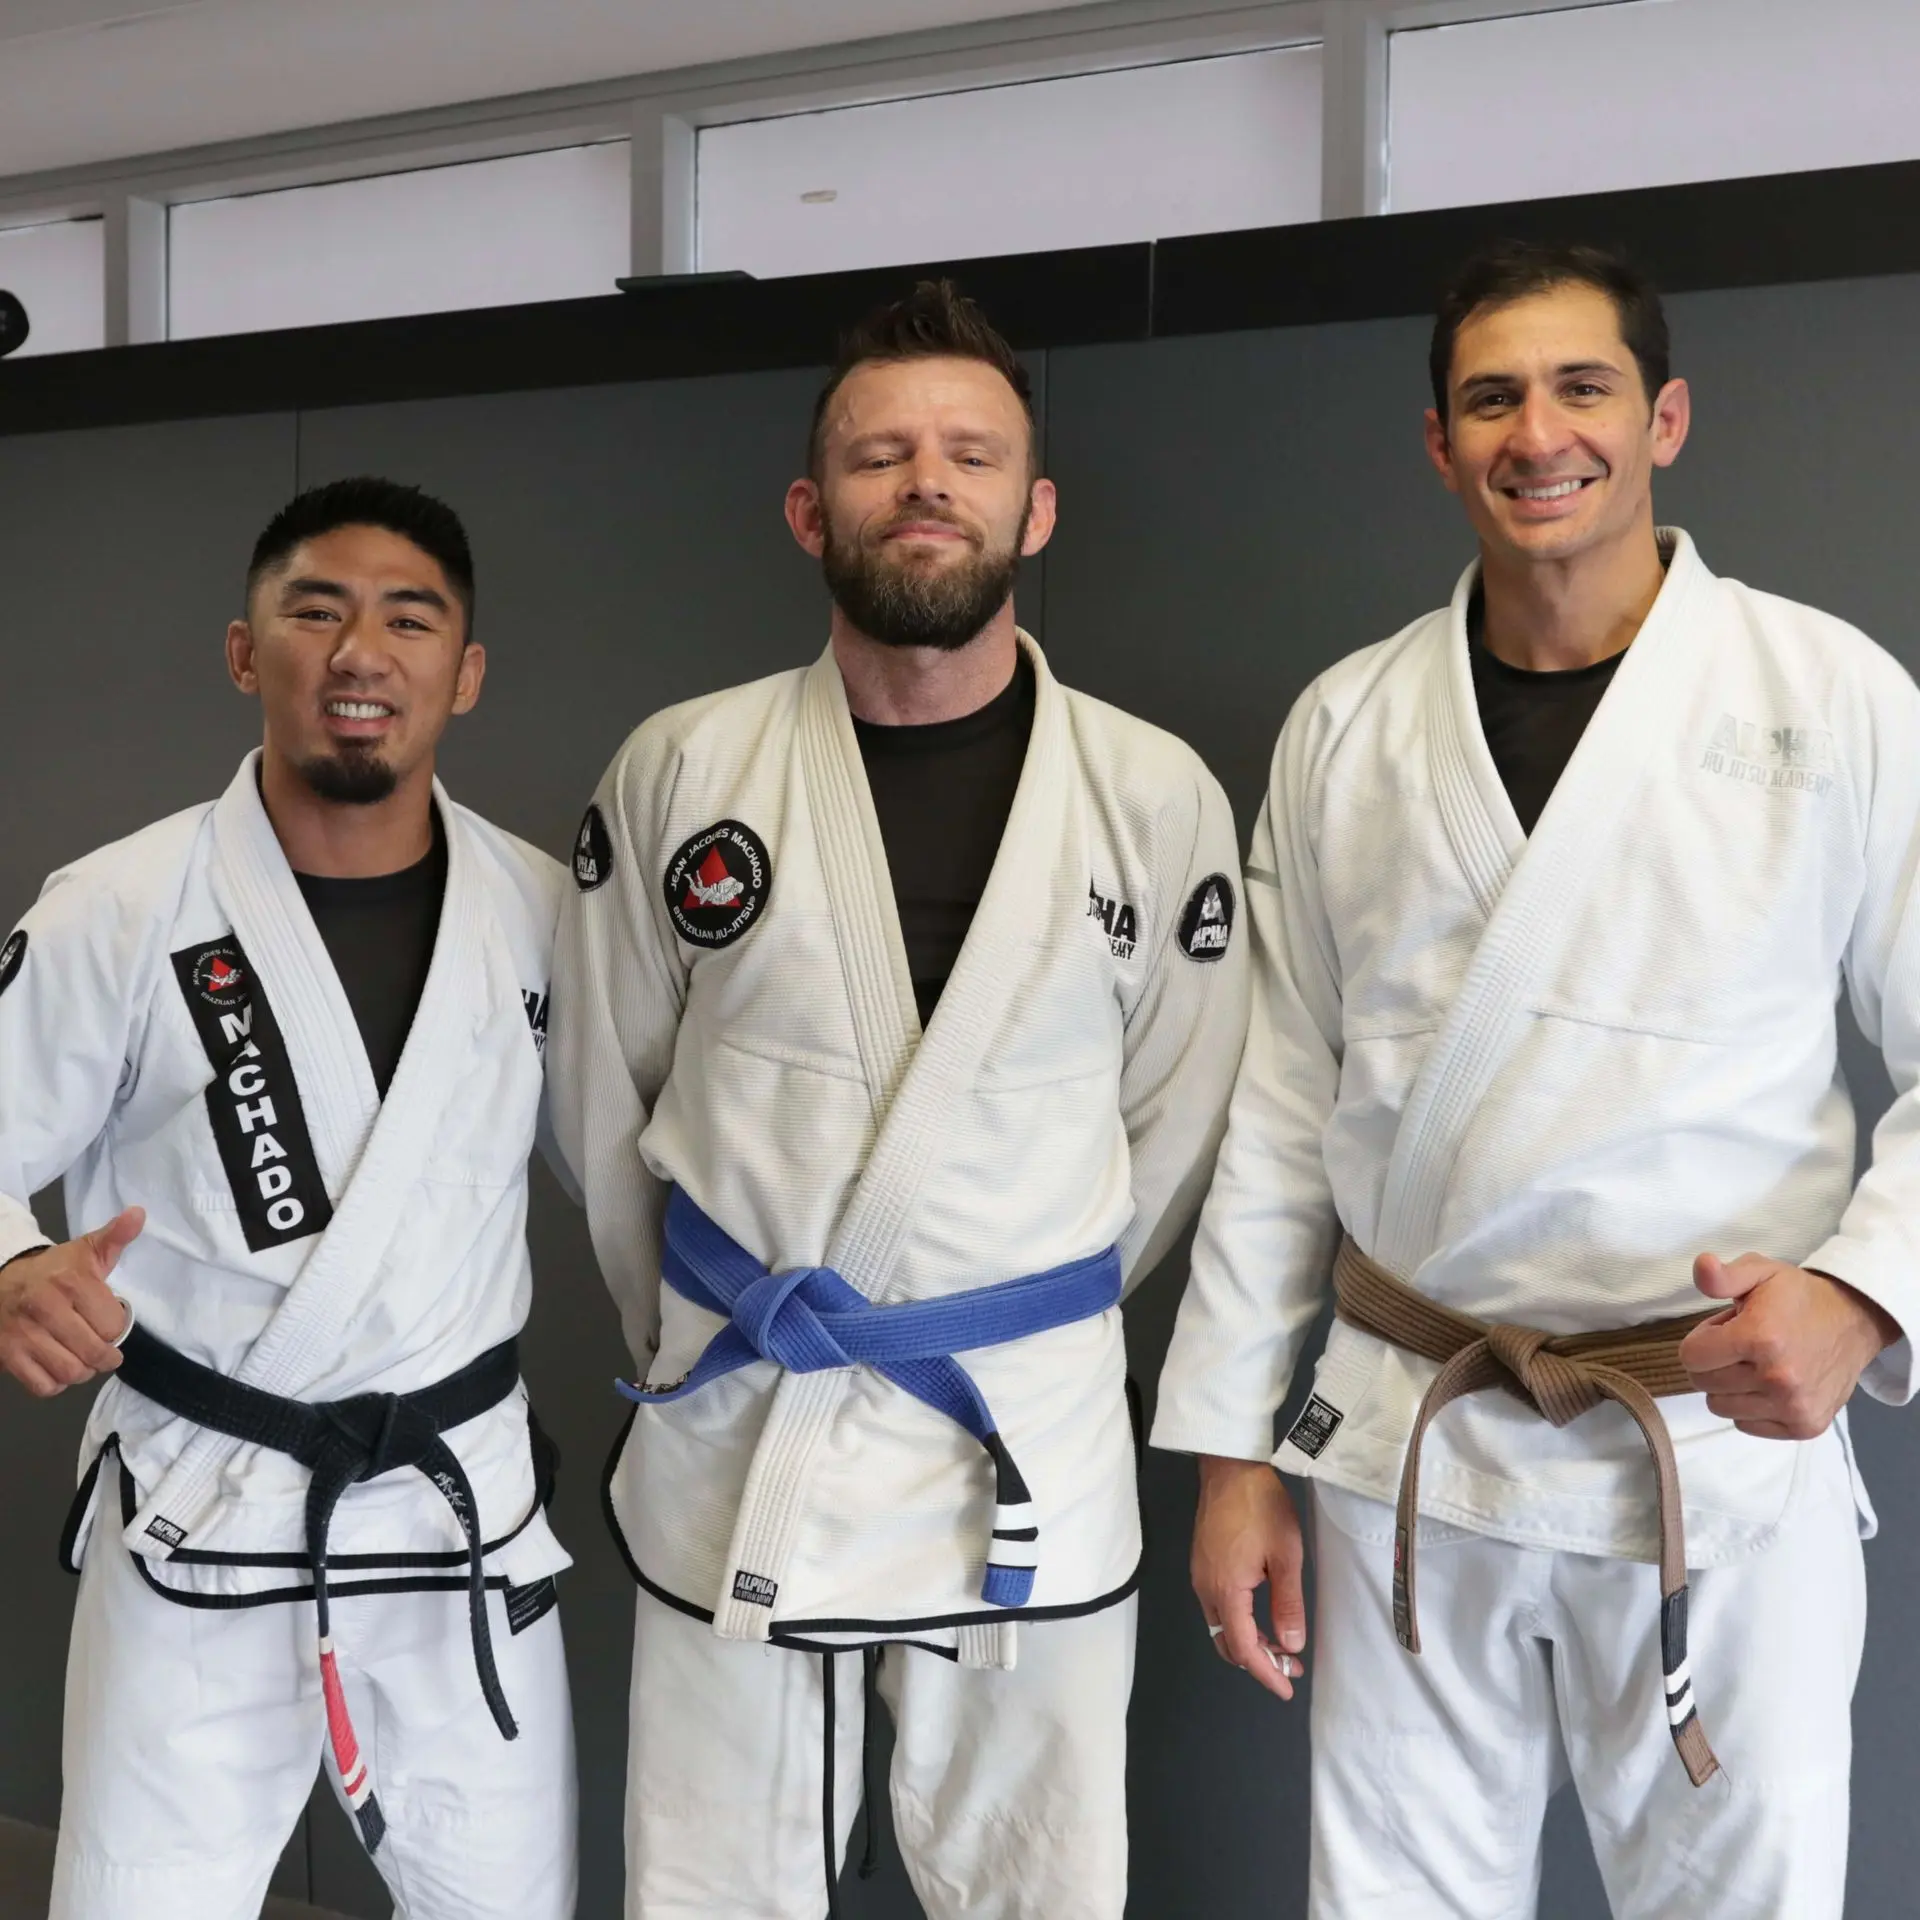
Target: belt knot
column 779, row 1317
column 1559, row 1388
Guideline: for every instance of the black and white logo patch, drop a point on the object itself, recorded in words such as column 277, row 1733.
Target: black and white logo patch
column 1206, row 927
column 1122, row 926
column 716, row 885
column 165, row 1532
column 536, row 1004
column 527, row 1604
column 12, row 956
column 1318, row 1423
column 755, row 1589
column 253, row 1100
column 592, row 852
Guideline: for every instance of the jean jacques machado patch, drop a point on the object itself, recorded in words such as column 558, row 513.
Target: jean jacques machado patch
column 716, row 884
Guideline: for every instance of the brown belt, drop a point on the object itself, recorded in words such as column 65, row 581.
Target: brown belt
column 1560, row 1376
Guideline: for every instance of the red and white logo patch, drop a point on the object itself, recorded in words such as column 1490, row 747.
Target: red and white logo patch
column 219, row 976
column 716, row 884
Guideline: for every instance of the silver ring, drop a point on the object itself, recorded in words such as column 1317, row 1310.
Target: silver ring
column 1214, row 1632
column 120, row 1339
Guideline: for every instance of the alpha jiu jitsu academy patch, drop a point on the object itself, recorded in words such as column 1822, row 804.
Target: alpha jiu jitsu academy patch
column 592, row 852
column 1318, row 1423
column 717, row 883
column 253, row 1100
column 1206, row 927
column 12, row 957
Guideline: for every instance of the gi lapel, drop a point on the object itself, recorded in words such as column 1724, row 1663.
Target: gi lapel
column 371, row 1153
column 911, row 1087
column 1527, row 898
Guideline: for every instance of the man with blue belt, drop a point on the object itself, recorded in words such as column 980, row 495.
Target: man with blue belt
column 895, row 1013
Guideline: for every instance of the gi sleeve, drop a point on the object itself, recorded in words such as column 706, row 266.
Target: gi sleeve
column 1268, row 1229
column 619, row 988
column 1877, row 1247
column 1184, row 1031
column 68, row 1004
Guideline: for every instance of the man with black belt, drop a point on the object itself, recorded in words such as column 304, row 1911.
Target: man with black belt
column 895, row 1014
column 1551, row 900
column 286, row 1051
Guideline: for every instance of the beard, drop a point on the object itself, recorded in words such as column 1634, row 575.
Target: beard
column 350, row 776
column 901, row 605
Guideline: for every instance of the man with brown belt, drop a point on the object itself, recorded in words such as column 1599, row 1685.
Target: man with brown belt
column 1551, row 899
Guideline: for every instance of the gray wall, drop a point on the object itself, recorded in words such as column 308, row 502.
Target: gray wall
column 1238, row 512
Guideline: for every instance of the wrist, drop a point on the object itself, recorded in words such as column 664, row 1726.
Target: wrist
column 1879, row 1328
column 1222, row 1469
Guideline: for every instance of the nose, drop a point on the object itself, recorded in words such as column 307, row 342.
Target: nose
column 1539, row 430
column 924, row 477
column 360, row 651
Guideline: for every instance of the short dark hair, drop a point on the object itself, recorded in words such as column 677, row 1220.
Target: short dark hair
column 936, row 321
column 368, row 501
column 1510, row 270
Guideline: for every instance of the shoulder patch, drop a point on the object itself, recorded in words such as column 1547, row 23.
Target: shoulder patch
column 716, row 884
column 1206, row 926
column 592, row 852
column 12, row 957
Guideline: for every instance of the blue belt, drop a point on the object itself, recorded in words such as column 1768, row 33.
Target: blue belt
column 809, row 1319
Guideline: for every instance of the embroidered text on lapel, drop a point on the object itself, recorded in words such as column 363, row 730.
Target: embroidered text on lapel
column 253, row 1100
column 11, row 956
column 592, row 853
column 717, row 883
column 1206, row 927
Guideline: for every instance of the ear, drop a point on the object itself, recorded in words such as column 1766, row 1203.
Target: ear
column 807, row 516
column 473, row 670
column 1672, row 420
column 241, row 669
column 1440, row 450
column 1042, row 513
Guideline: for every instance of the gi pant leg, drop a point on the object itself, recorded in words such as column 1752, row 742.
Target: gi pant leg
column 193, row 1736
column 1008, row 1789
column 1431, row 1773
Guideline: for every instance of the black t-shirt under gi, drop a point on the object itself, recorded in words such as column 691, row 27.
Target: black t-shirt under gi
column 379, row 933
column 943, row 793
column 1532, row 721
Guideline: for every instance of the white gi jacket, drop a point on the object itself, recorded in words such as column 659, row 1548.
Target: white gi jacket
column 733, row 1012
column 302, row 1235
column 1537, row 1076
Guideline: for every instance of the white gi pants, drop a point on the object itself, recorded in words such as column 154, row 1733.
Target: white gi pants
column 1431, row 1774
column 192, row 1737
column 1008, row 1788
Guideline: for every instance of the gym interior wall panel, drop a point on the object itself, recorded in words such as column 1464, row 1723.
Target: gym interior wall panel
column 123, row 554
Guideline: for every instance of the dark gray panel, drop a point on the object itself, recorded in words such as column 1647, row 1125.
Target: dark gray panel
column 122, row 556
column 631, row 552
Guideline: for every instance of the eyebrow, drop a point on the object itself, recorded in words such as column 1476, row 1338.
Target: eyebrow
column 310, row 586
column 1474, row 383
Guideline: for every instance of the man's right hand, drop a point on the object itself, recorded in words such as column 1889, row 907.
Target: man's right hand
column 1245, row 1535
column 58, row 1317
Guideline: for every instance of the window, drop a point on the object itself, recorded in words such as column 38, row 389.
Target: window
column 1647, row 92
column 536, row 226
column 59, row 273
column 1197, row 146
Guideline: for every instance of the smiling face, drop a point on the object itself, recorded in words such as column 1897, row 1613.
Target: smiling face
column 925, row 499
column 356, row 647
column 1551, row 439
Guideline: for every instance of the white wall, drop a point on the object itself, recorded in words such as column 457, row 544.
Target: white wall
column 1199, row 146
column 59, row 273
column 538, row 226
column 1648, row 93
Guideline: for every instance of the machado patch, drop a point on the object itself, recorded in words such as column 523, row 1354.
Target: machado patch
column 12, row 957
column 1206, row 927
column 716, row 885
column 592, row 852
column 253, row 1099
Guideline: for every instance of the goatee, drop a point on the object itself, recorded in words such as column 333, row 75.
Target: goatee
column 901, row 606
column 350, row 777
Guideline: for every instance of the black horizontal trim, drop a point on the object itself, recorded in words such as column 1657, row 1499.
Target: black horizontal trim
column 1771, row 229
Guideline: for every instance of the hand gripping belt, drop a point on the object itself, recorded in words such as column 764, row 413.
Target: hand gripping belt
column 1560, row 1376
column 341, row 1442
column 810, row 1319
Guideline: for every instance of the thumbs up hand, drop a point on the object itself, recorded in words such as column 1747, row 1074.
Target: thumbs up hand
column 59, row 1319
column 1787, row 1353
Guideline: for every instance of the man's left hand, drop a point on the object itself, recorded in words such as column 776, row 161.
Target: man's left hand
column 1785, row 1356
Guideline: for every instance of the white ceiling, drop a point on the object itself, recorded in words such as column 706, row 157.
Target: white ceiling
column 86, row 80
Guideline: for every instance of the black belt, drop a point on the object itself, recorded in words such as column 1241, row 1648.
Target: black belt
column 342, row 1442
